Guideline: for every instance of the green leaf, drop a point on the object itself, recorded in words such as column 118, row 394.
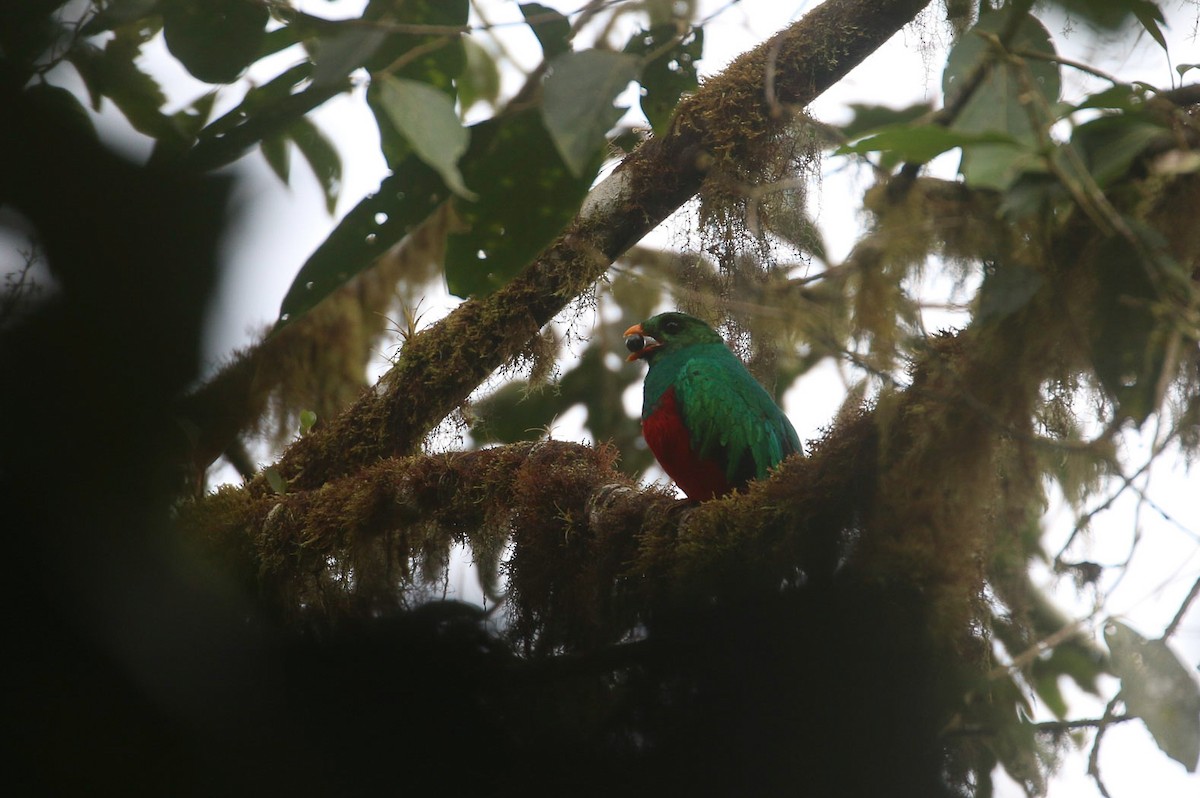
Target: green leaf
column 1110, row 144
column 1106, row 14
column 215, row 40
column 995, row 104
column 260, row 100
column 1183, row 69
column 670, row 73
column 307, row 420
column 578, row 102
column 113, row 73
column 322, row 157
column 526, row 197
column 480, row 80
column 1128, row 340
column 276, row 480
column 868, row 118
column 427, row 119
column 341, row 49
column 433, row 58
column 1151, row 16
column 404, row 199
column 920, row 143
column 1159, row 689
column 275, row 150
column 1006, row 289
column 1121, row 97
column 552, row 29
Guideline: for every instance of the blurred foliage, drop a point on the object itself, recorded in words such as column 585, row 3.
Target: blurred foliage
column 472, row 201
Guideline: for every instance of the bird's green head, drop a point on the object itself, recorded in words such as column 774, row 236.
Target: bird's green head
column 667, row 332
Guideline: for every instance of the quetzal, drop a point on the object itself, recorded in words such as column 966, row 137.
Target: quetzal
column 710, row 424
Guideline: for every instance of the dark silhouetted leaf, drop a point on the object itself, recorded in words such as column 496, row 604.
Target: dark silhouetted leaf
column 341, row 49
column 215, row 40
column 322, row 157
column 552, row 29
column 118, row 12
column 275, row 150
column 1159, row 689
column 66, row 103
column 403, row 200
column 1006, row 288
column 113, row 73
column 1128, row 338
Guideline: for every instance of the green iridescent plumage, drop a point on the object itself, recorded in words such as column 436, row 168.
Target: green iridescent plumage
column 730, row 420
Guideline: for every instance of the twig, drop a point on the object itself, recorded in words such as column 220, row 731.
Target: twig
column 1105, row 721
column 1183, row 608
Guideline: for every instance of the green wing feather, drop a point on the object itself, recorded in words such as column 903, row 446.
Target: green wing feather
column 728, row 415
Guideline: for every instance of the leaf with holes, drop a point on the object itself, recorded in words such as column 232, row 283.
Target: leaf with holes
column 527, row 196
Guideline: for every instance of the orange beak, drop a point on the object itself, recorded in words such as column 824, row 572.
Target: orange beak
column 643, row 348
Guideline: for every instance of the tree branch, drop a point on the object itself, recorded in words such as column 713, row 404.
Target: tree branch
column 723, row 120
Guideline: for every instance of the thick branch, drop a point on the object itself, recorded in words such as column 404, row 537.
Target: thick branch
column 440, row 367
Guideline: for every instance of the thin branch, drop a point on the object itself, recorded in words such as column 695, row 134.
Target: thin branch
column 1060, row 726
column 1105, row 721
column 1182, row 611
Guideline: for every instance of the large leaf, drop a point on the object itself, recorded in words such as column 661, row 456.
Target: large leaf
column 216, row 39
column 480, row 79
column 113, row 73
column 920, row 143
column 1128, row 338
column 998, row 104
column 322, row 157
column 343, row 48
column 526, row 196
column 1159, row 689
column 868, row 118
column 403, row 200
column 578, row 102
column 1112, row 14
column 1110, row 144
column 670, row 72
column 426, row 118
column 438, row 60
column 552, row 29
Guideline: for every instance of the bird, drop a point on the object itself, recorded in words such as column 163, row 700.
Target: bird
column 711, row 425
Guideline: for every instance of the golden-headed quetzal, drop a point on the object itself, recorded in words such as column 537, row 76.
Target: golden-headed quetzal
column 710, row 424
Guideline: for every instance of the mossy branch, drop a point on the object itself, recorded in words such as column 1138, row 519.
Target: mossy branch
column 724, row 119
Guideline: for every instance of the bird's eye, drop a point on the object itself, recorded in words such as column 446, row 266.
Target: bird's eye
column 671, row 326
